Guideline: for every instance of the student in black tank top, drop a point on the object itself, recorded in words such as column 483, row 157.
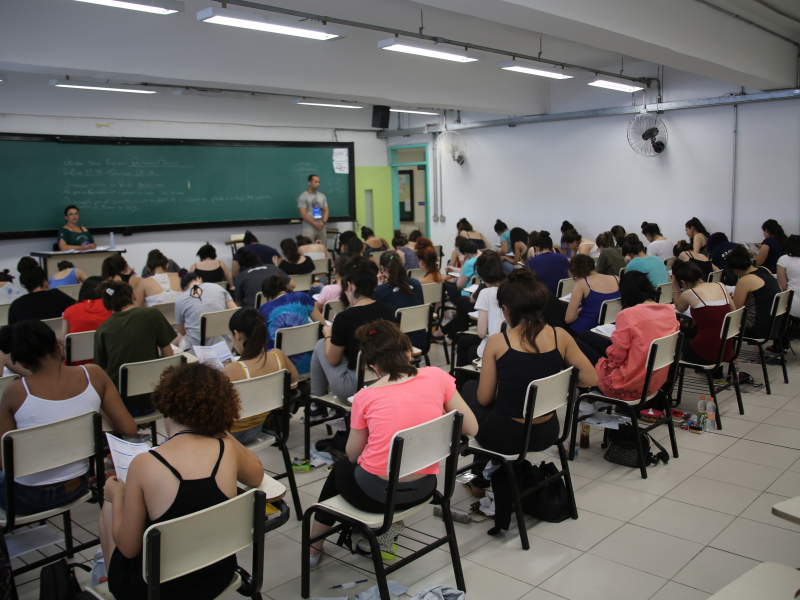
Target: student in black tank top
column 530, row 350
column 196, row 468
column 755, row 290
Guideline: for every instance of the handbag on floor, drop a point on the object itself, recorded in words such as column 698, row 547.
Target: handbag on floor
column 58, row 582
column 621, row 450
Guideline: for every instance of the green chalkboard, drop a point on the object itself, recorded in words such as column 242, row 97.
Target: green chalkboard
column 149, row 185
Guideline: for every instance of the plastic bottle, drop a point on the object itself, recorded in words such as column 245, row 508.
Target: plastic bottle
column 584, row 443
column 111, row 243
column 711, row 416
column 702, row 413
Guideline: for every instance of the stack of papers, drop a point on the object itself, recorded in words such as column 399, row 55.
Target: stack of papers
column 122, row 453
column 605, row 330
column 565, row 298
column 216, row 356
column 472, row 289
column 474, row 315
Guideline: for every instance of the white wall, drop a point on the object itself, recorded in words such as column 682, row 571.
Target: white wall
column 30, row 105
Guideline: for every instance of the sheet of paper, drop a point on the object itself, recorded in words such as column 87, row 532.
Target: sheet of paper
column 216, row 356
column 316, row 297
column 329, row 323
column 565, row 298
column 122, row 453
column 341, row 154
column 474, row 314
column 451, row 271
column 23, row 541
column 472, row 289
column 605, row 330
column 601, row 419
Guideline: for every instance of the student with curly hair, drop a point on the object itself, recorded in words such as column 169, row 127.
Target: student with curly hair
column 196, row 468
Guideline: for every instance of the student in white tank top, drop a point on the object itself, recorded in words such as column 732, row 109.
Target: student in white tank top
column 249, row 337
column 161, row 287
column 53, row 392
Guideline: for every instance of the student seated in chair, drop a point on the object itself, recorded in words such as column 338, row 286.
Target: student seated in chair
column 209, row 268
column 683, row 251
column 589, row 293
column 161, row 286
column 196, row 468
column 652, row 266
column 52, row 392
column 400, row 291
column 294, row 262
column 403, row 397
column 40, row 302
column 529, row 350
column 87, row 314
column 198, row 298
column 249, row 335
column 67, row 275
column 116, row 267
column 428, row 260
column 755, row 290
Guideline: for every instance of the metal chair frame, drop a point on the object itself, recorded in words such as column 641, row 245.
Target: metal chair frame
column 778, row 325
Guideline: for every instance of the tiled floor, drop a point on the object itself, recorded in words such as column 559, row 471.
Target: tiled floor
column 686, row 531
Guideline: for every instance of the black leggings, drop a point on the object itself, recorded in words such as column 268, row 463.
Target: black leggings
column 593, row 345
column 467, row 349
column 342, row 480
column 460, row 322
column 502, row 434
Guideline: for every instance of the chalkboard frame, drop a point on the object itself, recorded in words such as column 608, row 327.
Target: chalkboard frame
column 126, row 231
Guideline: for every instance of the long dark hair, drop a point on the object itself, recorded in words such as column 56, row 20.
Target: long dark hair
column 525, row 300
column 65, row 264
column 90, row 290
column 31, row 275
column 290, row 251
column 619, row 234
column 517, row 234
column 772, row 227
column 112, row 266
column 251, row 324
column 386, row 347
column 28, row 342
column 400, row 239
column 698, row 226
column 396, row 274
column 650, row 229
column 464, row 225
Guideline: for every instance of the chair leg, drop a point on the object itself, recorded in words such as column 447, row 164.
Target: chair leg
column 783, row 359
column 512, row 480
column 681, row 374
column 287, row 463
column 639, row 450
column 764, row 368
column 377, row 562
column 68, row 534
column 735, row 378
column 427, row 360
column 573, row 435
column 307, row 431
column 671, row 427
column 305, row 552
column 562, row 454
column 446, row 356
column 713, row 395
column 455, row 556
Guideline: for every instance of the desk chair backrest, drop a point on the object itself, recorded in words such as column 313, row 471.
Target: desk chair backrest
column 214, row 324
column 302, row 283
column 376, row 256
column 668, row 262
column 439, row 253
column 260, row 299
column 79, row 346
column 299, row 339
column 71, row 290
column 732, row 325
column 622, row 271
column 432, row 292
column 665, row 293
column 322, row 266
column 4, row 314
column 565, row 286
column 715, row 276
column 333, row 306
column 36, row 449
column 423, row 445
column 476, row 279
column 416, row 273
column 55, row 325
column 662, row 353
column 5, row 381
column 262, row 394
column 414, row 318
column 223, row 284
column 781, row 305
column 142, row 377
column 609, row 311
column 183, row 545
column 168, row 310
column 549, row 393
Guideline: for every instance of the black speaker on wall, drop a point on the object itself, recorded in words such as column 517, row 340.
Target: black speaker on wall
column 380, row 117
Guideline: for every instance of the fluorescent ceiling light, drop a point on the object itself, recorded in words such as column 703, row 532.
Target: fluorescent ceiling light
column 105, row 87
column 413, row 112
column 246, row 20
column 3, row 76
column 157, row 7
column 421, row 48
column 328, row 103
column 611, row 83
column 515, row 65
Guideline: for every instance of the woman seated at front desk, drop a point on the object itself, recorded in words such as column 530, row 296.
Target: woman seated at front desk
column 73, row 236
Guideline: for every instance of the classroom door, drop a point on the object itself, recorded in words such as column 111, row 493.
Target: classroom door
column 405, row 183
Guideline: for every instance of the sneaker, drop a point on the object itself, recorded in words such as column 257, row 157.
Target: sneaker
column 387, row 542
column 587, row 408
column 139, row 438
column 317, row 413
column 315, row 560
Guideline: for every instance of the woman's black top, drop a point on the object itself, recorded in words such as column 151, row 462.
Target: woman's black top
column 760, row 302
column 303, row 268
column 213, row 276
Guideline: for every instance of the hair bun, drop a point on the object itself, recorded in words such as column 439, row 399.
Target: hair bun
column 543, row 232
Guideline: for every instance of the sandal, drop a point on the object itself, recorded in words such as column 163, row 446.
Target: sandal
column 387, row 542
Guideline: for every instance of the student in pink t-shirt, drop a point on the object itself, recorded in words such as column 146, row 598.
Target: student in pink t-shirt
column 403, row 397
column 333, row 291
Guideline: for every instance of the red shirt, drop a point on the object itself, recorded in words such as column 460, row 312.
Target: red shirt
column 85, row 316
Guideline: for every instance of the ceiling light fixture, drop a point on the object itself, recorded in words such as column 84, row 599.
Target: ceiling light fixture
column 320, row 102
column 246, row 20
column 156, row 7
column 3, row 76
column 412, row 112
column 104, row 87
column 519, row 67
column 430, row 50
column 619, row 85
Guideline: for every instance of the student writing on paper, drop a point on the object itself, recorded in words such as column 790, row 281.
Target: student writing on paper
column 660, row 247
column 465, row 230
column 293, row 263
column 771, row 249
column 209, row 268
column 458, row 295
column 550, row 267
column 590, row 291
column 251, row 244
column 372, row 243
column 789, row 271
column 67, row 275
column 310, row 248
column 197, row 299
column 87, row 314
column 611, row 260
column 333, row 291
column 428, row 260
column 400, row 245
column 196, row 468
column 502, row 230
column 400, row 291
column 490, row 315
column 116, row 267
column 755, row 290
column 72, row 236
column 52, row 392
column 253, row 274
column 160, row 287
column 697, row 234
column 249, row 335
column 40, row 302
column 652, row 266
column 519, row 246
column 683, row 251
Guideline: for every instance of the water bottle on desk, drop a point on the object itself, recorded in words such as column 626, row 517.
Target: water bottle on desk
column 111, row 243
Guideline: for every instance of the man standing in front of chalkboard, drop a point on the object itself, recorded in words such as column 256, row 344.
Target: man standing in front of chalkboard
column 313, row 207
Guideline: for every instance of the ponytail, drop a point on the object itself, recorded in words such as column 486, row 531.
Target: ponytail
column 251, row 324
column 396, row 272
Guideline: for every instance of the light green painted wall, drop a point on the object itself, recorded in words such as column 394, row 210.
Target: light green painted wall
column 379, row 180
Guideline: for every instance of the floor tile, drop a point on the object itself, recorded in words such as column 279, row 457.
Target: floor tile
column 713, row 569
column 540, row 594
column 470, row 536
column 785, row 418
column 594, row 578
column 694, row 523
column 752, row 412
column 590, row 464
column 664, row 556
column 741, row 473
column 659, row 480
column 613, row 501
column 765, row 400
column 704, row 442
column 792, row 405
column 505, row 555
column 581, row 533
column 715, row 495
column 481, row 582
column 763, row 454
column 578, row 482
column 758, row 541
column 787, row 485
column 328, row 574
column 761, row 511
column 779, row 436
column 736, row 428
column 676, row 591
column 688, row 461
column 795, row 468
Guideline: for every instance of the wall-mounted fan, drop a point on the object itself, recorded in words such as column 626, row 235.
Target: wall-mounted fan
column 647, row 134
column 452, row 148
